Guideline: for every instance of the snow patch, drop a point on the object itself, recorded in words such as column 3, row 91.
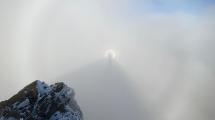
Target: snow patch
column 65, row 116
column 24, row 103
column 42, row 87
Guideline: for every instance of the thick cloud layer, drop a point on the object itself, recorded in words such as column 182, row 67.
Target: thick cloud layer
column 167, row 53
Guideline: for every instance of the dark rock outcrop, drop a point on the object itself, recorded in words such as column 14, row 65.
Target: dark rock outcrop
column 39, row 101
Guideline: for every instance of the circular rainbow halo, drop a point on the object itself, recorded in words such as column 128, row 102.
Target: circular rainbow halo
column 110, row 53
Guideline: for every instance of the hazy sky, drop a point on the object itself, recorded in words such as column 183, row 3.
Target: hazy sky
column 166, row 47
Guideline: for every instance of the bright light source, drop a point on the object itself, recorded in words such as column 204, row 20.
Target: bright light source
column 111, row 54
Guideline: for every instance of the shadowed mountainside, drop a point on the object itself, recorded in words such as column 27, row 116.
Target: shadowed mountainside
column 105, row 92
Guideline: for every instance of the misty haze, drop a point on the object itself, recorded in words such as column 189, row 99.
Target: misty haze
column 124, row 59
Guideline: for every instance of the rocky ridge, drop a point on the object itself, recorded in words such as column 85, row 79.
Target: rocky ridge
column 39, row 101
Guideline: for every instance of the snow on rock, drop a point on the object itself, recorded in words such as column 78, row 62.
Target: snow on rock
column 23, row 104
column 10, row 118
column 39, row 101
column 65, row 116
column 42, row 88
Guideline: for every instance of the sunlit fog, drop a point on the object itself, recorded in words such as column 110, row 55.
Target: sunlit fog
column 125, row 59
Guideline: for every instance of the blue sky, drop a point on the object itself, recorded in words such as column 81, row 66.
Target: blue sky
column 190, row 6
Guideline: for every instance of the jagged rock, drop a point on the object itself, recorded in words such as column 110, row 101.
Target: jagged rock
column 39, row 101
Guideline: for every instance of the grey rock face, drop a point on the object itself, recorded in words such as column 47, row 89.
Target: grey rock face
column 39, row 101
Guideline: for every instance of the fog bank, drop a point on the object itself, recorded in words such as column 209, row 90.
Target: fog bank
column 167, row 54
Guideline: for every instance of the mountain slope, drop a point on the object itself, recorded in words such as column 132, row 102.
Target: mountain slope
column 39, row 101
column 108, row 92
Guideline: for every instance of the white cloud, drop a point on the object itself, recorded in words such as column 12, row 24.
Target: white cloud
column 161, row 51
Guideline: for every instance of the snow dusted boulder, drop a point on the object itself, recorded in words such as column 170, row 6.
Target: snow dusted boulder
column 39, row 101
